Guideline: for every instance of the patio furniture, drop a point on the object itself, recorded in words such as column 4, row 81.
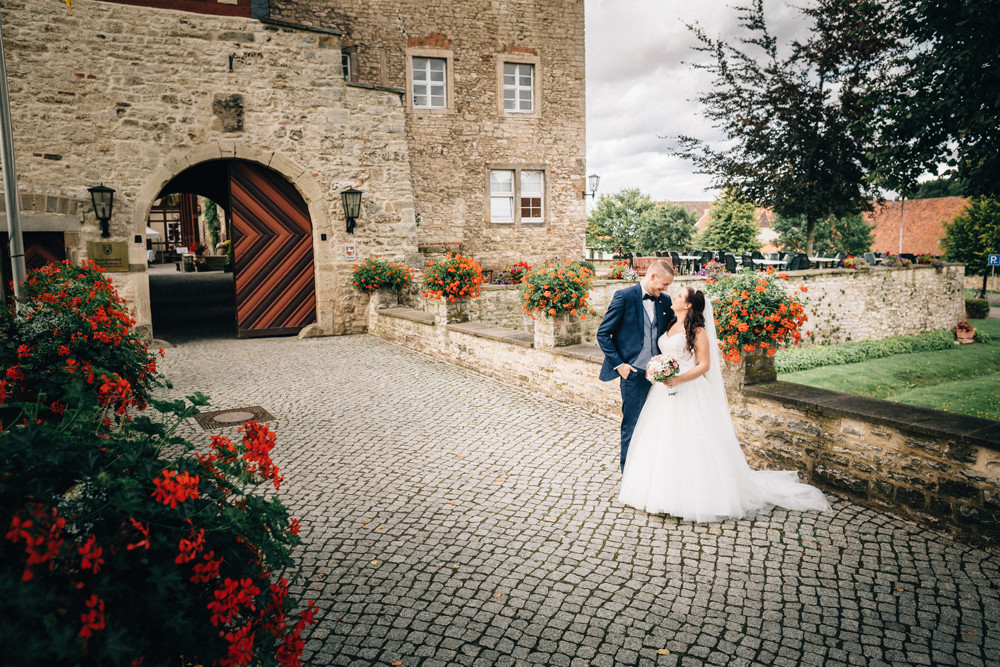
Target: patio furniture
column 799, row 263
column 675, row 260
column 730, row 261
column 822, row 262
column 689, row 261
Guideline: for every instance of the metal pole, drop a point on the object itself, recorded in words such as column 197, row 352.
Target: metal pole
column 10, row 181
column 902, row 203
column 993, row 283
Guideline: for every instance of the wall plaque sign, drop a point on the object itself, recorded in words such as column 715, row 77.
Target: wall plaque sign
column 112, row 256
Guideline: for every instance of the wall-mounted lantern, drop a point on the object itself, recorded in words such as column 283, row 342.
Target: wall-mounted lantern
column 352, row 207
column 592, row 182
column 103, row 199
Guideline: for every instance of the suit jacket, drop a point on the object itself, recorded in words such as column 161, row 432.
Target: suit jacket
column 620, row 332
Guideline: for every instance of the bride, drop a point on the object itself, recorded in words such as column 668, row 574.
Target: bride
column 684, row 458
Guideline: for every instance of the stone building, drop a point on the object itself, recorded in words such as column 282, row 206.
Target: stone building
column 462, row 123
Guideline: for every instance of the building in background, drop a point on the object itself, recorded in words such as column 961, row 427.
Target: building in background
column 463, row 124
column 922, row 220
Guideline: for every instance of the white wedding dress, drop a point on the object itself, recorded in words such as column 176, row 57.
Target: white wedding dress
column 685, row 460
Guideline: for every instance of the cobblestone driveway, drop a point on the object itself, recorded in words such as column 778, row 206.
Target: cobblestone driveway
column 450, row 519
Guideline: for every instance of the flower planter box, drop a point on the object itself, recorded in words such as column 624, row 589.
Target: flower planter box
column 757, row 368
column 965, row 337
column 448, row 312
column 551, row 332
column 381, row 299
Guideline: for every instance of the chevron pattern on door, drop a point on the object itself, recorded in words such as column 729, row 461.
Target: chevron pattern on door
column 272, row 237
column 40, row 248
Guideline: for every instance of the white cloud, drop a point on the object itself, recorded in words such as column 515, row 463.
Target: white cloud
column 641, row 86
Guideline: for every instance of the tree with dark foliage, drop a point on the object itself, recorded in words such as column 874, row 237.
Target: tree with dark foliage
column 798, row 140
column 942, row 109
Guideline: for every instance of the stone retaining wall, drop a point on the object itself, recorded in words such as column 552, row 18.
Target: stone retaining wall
column 843, row 305
column 939, row 469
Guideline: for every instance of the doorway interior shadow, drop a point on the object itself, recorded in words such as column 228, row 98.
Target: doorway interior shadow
column 188, row 307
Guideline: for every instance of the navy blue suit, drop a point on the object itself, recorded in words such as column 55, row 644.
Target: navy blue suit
column 620, row 337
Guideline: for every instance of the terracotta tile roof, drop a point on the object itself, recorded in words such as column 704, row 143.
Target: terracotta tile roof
column 699, row 208
column 923, row 224
column 765, row 216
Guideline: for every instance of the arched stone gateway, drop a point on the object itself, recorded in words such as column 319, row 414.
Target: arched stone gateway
column 272, row 231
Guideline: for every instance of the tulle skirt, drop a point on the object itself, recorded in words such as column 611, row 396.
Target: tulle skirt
column 684, row 460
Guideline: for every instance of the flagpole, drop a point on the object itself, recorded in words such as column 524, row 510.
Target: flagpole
column 10, row 181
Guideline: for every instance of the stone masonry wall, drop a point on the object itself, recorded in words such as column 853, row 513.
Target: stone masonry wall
column 842, row 305
column 937, row 474
column 450, row 149
column 940, row 469
column 126, row 95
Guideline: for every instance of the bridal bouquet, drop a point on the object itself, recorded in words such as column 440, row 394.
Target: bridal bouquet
column 661, row 368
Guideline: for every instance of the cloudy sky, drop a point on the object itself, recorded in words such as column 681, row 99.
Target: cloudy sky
column 641, row 87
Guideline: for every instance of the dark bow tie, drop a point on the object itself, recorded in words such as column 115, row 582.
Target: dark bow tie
column 648, row 296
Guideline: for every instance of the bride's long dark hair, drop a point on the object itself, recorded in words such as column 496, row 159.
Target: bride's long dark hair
column 696, row 316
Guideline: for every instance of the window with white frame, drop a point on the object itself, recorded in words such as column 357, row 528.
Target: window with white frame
column 517, row 194
column 502, row 195
column 429, row 83
column 518, row 87
column 531, row 196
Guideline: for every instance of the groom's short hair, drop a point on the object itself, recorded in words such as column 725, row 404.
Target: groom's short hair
column 661, row 266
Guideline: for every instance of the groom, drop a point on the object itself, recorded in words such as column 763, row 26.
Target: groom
column 628, row 334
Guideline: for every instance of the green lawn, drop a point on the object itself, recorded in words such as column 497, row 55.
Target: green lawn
column 964, row 380
column 991, row 296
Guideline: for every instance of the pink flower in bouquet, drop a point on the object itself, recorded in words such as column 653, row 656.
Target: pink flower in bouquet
column 661, row 368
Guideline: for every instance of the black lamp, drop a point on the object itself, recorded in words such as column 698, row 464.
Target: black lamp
column 103, row 199
column 592, row 182
column 352, row 207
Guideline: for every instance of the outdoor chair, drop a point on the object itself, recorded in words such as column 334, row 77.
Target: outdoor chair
column 747, row 261
column 839, row 260
column 907, row 255
column 799, row 262
column 675, row 259
column 870, row 258
column 730, row 260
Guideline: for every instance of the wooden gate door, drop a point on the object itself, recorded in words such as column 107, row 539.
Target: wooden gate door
column 272, row 243
column 40, row 248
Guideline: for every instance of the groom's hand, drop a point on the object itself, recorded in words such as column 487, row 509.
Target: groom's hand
column 624, row 370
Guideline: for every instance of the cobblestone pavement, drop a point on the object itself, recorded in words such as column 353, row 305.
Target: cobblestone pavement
column 451, row 519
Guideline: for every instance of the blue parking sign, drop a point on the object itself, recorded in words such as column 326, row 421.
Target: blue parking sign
column 994, row 260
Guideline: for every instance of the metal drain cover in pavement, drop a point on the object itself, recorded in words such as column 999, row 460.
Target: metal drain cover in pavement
column 233, row 417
